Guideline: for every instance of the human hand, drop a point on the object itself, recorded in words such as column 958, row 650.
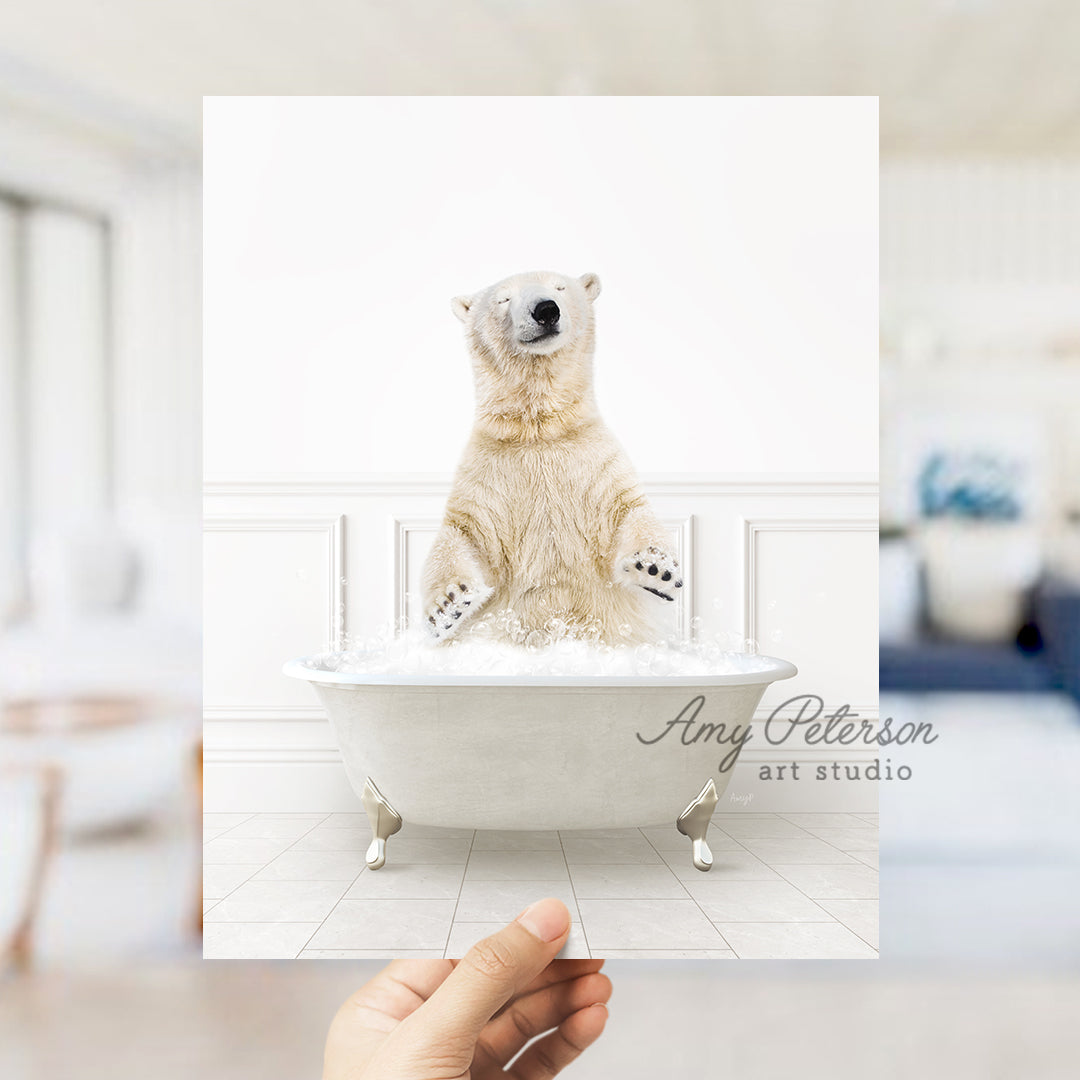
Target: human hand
column 447, row 1019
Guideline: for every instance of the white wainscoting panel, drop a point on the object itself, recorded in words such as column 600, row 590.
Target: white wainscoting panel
column 811, row 597
column 273, row 588
column 291, row 563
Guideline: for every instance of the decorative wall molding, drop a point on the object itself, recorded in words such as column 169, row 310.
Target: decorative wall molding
column 272, row 713
column 333, row 525
column 401, row 529
column 268, row 755
column 683, row 528
column 754, row 527
column 659, row 483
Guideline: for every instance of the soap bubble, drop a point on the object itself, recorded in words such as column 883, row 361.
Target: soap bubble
column 500, row 643
column 660, row 665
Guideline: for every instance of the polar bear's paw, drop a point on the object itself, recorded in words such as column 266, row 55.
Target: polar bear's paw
column 453, row 605
column 654, row 571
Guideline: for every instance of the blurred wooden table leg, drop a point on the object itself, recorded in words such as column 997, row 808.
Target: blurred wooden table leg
column 197, row 921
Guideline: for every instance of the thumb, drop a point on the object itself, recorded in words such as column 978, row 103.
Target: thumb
column 492, row 972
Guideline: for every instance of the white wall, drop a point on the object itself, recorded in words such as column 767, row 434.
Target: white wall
column 736, row 240
column 737, row 361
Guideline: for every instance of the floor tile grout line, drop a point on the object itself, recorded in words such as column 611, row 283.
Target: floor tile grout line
column 786, row 815
column 801, row 922
column 871, row 900
column 259, row 870
column 835, row 847
column 573, row 892
column 831, row 918
column 783, row 922
column 236, row 886
column 252, row 817
column 689, row 895
column 266, row 864
column 666, row 865
column 740, row 839
column 236, row 825
column 457, row 901
column 814, row 898
column 265, row 922
column 363, row 870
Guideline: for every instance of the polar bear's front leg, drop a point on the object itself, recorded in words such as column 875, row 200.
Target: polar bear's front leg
column 454, row 584
column 642, row 558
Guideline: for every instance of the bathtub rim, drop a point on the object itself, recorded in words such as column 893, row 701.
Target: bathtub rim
column 780, row 670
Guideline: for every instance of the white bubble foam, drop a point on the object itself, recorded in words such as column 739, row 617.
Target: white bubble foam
column 414, row 653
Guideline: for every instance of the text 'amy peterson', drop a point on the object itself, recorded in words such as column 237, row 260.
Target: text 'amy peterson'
column 841, row 727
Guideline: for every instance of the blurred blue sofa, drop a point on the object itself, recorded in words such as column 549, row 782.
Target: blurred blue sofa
column 1045, row 656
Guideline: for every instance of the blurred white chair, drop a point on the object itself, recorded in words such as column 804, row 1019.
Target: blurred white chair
column 28, row 816
column 107, row 693
column 84, row 570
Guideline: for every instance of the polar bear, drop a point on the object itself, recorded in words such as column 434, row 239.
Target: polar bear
column 545, row 517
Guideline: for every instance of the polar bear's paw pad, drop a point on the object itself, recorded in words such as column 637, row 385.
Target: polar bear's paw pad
column 655, row 571
column 451, row 606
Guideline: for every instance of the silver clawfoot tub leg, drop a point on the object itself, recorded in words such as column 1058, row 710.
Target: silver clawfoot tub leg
column 694, row 823
column 385, row 821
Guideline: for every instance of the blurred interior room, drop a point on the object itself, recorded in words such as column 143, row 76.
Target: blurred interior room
column 100, row 110
column 980, row 550
column 99, row 569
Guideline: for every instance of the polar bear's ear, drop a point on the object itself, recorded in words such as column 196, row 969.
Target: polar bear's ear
column 460, row 306
column 591, row 285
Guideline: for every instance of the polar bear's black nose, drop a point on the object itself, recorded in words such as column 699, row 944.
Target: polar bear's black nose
column 546, row 313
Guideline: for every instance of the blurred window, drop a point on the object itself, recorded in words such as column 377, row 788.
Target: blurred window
column 56, row 387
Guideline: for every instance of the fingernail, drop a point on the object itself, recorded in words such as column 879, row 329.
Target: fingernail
column 546, row 919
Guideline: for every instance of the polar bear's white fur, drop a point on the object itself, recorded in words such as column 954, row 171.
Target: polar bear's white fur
column 545, row 517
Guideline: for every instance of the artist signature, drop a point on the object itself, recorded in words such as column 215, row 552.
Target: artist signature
column 841, row 727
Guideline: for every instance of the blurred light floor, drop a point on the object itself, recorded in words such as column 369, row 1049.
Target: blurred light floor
column 267, row 1021
column 122, row 896
column 980, row 850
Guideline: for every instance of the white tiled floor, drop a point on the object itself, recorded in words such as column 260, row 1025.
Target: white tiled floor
column 782, row 886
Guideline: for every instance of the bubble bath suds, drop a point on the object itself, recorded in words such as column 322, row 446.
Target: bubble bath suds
column 413, row 653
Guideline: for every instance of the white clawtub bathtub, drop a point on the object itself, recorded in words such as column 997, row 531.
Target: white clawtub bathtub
column 540, row 752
